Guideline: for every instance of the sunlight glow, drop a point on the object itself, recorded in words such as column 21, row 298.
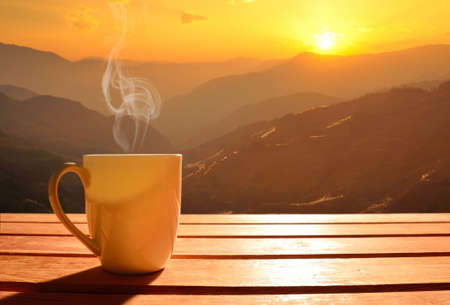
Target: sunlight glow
column 326, row 40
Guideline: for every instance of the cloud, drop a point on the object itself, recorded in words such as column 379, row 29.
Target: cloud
column 81, row 18
column 188, row 17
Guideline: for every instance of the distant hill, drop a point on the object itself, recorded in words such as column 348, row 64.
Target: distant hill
column 383, row 152
column 268, row 109
column 17, row 93
column 49, row 73
column 39, row 134
column 187, row 115
column 24, row 172
column 65, row 127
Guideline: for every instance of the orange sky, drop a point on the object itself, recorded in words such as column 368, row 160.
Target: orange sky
column 207, row 30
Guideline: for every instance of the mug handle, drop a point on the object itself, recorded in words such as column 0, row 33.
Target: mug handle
column 56, row 205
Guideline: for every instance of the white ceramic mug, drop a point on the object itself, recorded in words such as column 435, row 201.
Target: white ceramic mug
column 132, row 208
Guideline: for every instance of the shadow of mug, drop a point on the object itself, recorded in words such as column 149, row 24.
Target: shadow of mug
column 78, row 288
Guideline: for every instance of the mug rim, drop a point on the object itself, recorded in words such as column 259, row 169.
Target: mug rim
column 132, row 155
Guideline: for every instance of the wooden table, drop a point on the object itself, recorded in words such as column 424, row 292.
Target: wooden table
column 243, row 259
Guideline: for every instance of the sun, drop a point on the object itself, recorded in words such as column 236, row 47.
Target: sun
column 325, row 41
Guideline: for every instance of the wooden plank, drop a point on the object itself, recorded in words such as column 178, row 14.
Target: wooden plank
column 308, row 230
column 245, row 248
column 37, row 228
column 260, row 218
column 303, row 230
column 199, row 276
column 392, row 298
column 39, row 217
column 50, row 245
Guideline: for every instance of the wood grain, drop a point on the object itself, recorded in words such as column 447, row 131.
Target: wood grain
column 39, row 217
column 310, row 230
column 200, row 276
column 253, row 231
column 248, row 248
column 260, row 218
column 391, row 298
column 240, row 259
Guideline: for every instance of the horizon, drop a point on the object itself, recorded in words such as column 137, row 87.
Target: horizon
column 91, row 57
column 202, row 31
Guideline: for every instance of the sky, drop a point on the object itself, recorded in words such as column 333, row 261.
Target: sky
column 213, row 30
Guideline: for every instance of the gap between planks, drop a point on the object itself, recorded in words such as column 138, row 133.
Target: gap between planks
column 248, row 248
column 250, row 256
column 399, row 298
column 217, row 290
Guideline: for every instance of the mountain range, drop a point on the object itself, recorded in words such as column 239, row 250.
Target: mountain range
column 301, row 135
column 268, row 109
column 49, row 73
column 382, row 152
column 40, row 133
column 24, row 173
column 17, row 93
column 344, row 77
column 201, row 99
column 66, row 127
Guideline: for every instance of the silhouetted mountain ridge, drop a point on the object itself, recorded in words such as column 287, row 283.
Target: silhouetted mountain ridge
column 29, row 55
column 66, row 127
column 340, row 76
column 37, row 135
column 17, row 93
column 24, row 174
column 80, row 80
column 382, row 152
column 268, row 109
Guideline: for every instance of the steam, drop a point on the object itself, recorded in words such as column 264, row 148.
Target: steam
column 141, row 101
